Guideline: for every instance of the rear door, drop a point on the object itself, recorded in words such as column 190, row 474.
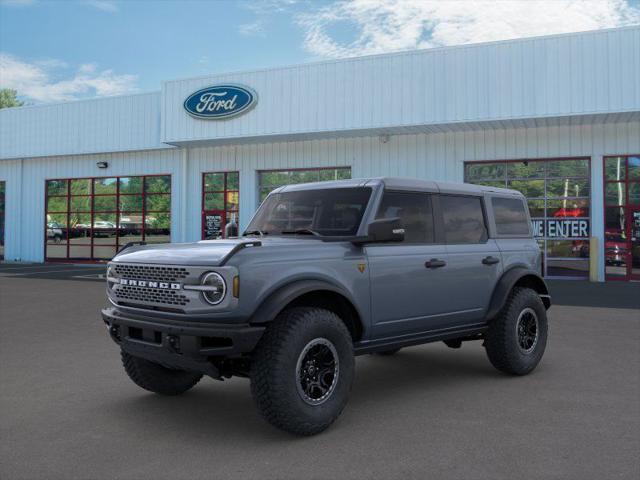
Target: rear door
column 474, row 262
column 408, row 294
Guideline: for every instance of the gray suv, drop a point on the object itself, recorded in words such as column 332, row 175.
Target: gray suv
column 324, row 272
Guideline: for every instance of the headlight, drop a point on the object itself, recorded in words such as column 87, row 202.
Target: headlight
column 111, row 277
column 215, row 288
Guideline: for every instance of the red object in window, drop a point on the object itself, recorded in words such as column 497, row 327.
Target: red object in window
column 570, row 212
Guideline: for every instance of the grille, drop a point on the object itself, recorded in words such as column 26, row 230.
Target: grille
column 153, row 273
column 154, row 295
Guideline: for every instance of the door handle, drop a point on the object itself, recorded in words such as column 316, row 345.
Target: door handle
column 435, row 263
column 490, row 260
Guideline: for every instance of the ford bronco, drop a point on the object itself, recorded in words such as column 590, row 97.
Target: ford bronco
column 325, row 272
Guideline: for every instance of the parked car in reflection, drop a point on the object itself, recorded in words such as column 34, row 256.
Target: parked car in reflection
column 54, row 232
column 615, row 249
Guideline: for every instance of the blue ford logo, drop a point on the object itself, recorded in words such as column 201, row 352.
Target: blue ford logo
column 220, row 101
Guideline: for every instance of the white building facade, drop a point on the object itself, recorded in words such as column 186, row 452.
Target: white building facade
column 556, row 117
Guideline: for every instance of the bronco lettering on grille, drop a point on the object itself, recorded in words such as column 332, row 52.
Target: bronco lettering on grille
column 149, row 284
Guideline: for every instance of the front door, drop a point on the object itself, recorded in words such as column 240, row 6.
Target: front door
column 408, row 293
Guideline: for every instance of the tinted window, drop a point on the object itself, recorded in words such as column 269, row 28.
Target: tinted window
column 463, row 219
column 414, row 211
column 510, row 216
column 336, row 211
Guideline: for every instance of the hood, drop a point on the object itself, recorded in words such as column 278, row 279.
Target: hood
column 204, row 253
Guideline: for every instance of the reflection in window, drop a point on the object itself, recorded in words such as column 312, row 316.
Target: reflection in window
column 463, row 219
column 414, row 211
column 269, row 180
column 510, row 216
column 92, row 218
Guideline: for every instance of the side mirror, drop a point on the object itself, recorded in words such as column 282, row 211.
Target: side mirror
column 385, row 230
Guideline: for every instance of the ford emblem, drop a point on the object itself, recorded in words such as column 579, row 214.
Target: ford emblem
column 220, row 101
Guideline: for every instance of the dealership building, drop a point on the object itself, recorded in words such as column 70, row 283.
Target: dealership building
column 555, row 117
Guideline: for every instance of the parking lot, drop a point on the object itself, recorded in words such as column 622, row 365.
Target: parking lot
column 67, row 410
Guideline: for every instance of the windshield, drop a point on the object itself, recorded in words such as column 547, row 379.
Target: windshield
column 328, row 212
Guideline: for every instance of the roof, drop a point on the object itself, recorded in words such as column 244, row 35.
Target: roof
column 401, row 183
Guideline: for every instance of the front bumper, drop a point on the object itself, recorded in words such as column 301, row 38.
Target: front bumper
column 183, row 345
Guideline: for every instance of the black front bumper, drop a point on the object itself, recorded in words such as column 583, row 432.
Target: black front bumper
column 185, row 345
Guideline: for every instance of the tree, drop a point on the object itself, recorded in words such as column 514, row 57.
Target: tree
column 8, row 98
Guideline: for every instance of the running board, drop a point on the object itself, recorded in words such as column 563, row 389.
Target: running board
column 364, row 347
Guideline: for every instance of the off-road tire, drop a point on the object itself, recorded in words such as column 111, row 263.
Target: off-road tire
column 388, row 353
column 156, row 378
column 502, row 343
column 274, row 374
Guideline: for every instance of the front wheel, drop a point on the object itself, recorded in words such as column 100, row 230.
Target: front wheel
column 517, row 337
column 302, row 370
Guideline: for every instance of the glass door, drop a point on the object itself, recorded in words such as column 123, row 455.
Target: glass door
column 634, row 243
column 220, row 192
column 622, row 217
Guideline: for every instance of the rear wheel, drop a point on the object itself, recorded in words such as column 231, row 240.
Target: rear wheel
column 156, row 378
column 517, row 337
column 302, row 370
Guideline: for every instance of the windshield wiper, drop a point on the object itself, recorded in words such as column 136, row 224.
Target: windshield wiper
column 301, row 231
column 255, row 232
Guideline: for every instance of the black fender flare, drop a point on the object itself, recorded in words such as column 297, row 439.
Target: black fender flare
column 509, row 279
column 281, row 297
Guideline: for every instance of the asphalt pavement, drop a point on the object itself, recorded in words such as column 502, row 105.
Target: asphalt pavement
column 68, row 411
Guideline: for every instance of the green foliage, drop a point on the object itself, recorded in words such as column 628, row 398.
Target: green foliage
column 8, row 98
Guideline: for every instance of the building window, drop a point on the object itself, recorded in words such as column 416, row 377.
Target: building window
column 2, row 210
column 622, row 217
column 220, row 200
column 558, row 192
column 92, row 218
column 269, row 180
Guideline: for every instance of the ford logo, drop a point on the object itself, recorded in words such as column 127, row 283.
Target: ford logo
column 220, row 101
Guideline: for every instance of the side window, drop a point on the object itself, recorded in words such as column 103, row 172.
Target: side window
column 463, row 219
column 415, row 212
column 510, row 216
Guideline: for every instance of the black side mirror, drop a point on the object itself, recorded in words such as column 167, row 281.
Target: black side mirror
column 386, row 230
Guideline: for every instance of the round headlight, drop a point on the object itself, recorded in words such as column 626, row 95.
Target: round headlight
column 216, row 288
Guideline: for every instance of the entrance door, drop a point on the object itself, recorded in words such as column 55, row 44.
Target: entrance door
column 213, row 223
column 634, row 243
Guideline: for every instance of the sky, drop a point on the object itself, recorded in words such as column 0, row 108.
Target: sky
column 60, row 50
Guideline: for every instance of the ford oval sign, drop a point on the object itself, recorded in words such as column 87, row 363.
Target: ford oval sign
column 220, row 101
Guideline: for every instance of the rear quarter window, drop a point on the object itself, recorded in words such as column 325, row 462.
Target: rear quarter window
column 510, row 216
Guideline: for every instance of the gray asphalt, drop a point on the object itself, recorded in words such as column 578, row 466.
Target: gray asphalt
column 67, row 410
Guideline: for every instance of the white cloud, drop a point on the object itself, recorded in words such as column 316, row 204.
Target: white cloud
column 252, row 29
column 104, row 5
column 36, row 81
column 390, row 25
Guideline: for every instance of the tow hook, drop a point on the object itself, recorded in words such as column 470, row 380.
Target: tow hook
column 173, row 342
column 114, row 331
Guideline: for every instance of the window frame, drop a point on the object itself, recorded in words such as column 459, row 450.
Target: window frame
column 3, row 217
column 91, row 246
column 545, row 240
